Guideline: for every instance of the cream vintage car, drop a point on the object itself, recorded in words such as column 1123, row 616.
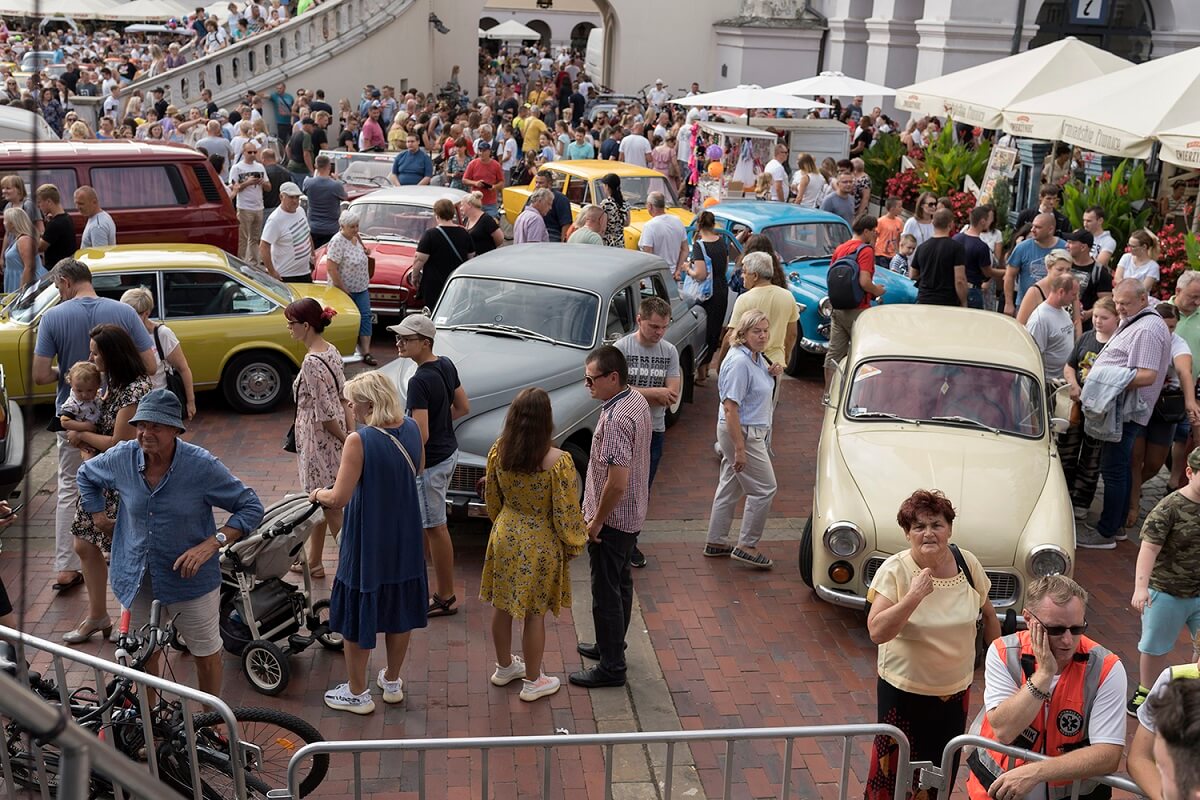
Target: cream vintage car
column 931, row 397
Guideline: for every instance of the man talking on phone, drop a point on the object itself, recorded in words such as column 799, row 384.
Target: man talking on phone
column 247, row 182
column 483, row 174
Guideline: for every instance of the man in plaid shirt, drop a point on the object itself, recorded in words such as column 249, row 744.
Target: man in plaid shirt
column 614, row 505
column 1142, row 343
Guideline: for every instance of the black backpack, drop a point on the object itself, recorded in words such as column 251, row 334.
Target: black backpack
column 845, row 291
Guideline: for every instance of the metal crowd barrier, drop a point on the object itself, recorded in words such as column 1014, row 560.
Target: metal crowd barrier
column 935, row 778
column 81, row 751
column 548, row 744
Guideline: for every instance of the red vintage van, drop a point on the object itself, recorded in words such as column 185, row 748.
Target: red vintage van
column 156, row 193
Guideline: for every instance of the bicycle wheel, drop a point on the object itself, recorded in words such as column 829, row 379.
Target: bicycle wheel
column 279, row 735
column 216, row 777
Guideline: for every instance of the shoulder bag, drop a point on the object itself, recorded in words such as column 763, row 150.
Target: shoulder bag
column 450, row 242
column 289, row 439
column 694, row 291
column 174, row 379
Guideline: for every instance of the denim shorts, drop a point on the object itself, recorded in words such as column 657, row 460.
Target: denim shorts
column 1159, row 432
column 1164, row 618
column 1183, row 430
column 363, row 301
column 431, row 489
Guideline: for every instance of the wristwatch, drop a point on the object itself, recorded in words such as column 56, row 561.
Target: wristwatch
column 222, row 538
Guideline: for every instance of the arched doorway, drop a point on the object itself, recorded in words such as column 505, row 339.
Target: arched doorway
column 1125, row 29
column 491, row 46
column 543, row 30
column 579, row 36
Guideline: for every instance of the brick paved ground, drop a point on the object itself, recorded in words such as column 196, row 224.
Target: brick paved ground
column 720, row 646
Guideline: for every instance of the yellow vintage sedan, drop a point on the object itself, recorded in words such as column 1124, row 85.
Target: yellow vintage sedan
column 579, row 181
column 228, row 317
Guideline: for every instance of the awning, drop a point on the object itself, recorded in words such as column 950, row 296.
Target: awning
column 148, row 10
column 980, row 95
column 833, row 84
column 1181, row 145
column 728, row 129
column 747, row 97
column 511, row 31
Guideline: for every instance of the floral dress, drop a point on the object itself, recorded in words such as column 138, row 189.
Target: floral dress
column 114, row 401
column 618, row 218
column 537, row 528
column 318, row 393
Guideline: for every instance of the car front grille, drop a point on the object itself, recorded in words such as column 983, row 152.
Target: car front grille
column 1005, row 585
column 823, row 329
column 464, row 479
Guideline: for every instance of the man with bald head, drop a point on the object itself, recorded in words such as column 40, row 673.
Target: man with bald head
column 100, row 230
column 1143, row 344
column 1027, row 263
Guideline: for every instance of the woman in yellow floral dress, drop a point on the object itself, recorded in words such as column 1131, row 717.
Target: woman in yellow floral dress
column 537, row 528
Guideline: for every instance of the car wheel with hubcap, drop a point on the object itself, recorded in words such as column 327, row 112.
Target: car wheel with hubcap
column 255, row 382
column 581, row 460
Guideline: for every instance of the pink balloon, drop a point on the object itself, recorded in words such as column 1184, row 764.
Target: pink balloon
column 715, row 152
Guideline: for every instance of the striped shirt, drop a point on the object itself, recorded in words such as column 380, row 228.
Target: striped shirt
column 622, row 439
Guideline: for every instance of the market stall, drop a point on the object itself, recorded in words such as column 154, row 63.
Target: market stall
column 728, row 158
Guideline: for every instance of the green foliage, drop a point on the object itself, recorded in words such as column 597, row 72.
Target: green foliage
column 1002, row 200
column 1123, row 195
column 882, row 160
column 948, row 162
column 1191, row 246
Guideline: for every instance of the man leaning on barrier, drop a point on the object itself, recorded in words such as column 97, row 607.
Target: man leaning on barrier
column 1052, row 690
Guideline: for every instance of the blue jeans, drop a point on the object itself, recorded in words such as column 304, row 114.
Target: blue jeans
column 656, row 447
column 974, row 297
column 492, row 210
column 1115, row 458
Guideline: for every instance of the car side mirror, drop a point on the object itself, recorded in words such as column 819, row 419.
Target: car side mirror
column 1062, row 402
column 344, row 205
column 1058, row 425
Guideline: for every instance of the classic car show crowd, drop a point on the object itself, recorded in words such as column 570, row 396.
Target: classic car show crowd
column 622, row 259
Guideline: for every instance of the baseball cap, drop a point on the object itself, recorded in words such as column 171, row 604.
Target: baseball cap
column 415, row 325
column 1081, row 236
column 307, row 121
column 376, row 93
column 484, row 146
column 222, row 112
column 658, row 80
column 291, row 189
column 376, row 104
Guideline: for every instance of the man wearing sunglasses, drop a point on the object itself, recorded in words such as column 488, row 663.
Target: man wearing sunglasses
column 1052, row 690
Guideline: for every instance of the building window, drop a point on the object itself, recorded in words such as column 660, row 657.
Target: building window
column 1127, row 31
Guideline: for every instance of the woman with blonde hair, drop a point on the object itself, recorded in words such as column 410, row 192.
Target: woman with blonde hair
column 167, row 350
column 485, row 231
column 532, row 499
column 380, row 585
column 1140, row 262
column 12, row 187
column 1058, row 262
column 22, row 262
column 808, row 182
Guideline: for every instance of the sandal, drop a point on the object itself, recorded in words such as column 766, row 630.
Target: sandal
column 442, row 608
column 369, row 360
column 755, row 560
column 62, row 586
column 717, row 550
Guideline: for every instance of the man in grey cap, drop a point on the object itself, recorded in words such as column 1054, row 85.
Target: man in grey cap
column 163, row 542
column 285, row 247
column 435, row 399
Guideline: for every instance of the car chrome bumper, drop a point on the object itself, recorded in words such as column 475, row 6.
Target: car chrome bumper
column 841, row 598
column 466, row 507
column 813, row 346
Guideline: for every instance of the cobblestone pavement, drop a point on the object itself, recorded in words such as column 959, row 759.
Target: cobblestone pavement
column 712, row 645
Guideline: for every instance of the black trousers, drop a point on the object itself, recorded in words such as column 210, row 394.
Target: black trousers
column 612, row 594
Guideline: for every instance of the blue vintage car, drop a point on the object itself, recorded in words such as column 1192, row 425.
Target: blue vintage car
column 805, row 239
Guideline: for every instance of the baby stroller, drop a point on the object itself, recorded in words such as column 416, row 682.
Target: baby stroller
column 264, row 619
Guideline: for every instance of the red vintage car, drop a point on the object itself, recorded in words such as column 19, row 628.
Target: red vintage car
column 391, row 224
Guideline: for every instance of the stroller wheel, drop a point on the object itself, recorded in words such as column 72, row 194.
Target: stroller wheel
column 328, row 639
column 266, row 667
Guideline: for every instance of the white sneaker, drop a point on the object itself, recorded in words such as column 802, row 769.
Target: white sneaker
column 503, row 676
column 544, row 686
column 340, row 698
column 1080, row 512
column 393, row 691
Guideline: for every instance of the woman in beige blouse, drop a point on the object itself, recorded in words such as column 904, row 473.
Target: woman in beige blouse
column 923, row 612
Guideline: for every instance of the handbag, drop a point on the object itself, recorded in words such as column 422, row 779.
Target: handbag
column 695, row 291
column 289, row 438
column 980, row 644
column 1170, row 407
column 174, row 379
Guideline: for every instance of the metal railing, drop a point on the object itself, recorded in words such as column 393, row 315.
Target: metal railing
column 548, row 744
column 78, row 746
column 935, row 778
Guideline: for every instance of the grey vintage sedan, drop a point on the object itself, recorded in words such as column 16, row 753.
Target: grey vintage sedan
column 528, row 315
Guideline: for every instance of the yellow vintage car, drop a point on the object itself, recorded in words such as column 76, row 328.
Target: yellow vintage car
column 579, row 181
column 228, row 317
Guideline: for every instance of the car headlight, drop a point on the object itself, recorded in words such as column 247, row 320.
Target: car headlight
column 824, row 307
column 844, row 539
column 1046, row 560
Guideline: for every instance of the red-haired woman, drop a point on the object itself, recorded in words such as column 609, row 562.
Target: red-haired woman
column 322, row 422
column 923, row 614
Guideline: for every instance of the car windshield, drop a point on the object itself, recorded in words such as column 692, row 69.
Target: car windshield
column 806, row 240
column 939, row 393
column 279, row 287
column 363, row 168
column 26, row 306
column 393, row 220
column 565, row 315
column 635, row 188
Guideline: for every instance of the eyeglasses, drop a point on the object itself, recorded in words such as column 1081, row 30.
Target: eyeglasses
column 590, row 380
column 1059, row 630
column 400, row 339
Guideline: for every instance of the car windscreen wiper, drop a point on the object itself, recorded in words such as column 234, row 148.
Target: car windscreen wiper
column 864, row 414
column 966, row 421
column 512, row 330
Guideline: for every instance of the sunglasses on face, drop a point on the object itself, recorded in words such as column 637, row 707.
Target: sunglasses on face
column 590, row 380
column 1059, row 630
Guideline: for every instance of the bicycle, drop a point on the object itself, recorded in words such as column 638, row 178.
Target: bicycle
column 268, row 737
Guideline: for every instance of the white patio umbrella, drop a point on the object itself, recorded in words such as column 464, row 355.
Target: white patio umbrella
column 1181, row 145
column 747, row 97
column 1117, row 114
column 511, row 31
column 145, row 10
column 979, row 95
column 833, row 84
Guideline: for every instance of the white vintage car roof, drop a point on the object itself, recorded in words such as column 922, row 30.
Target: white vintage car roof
column 943, row 332
column 412, row 195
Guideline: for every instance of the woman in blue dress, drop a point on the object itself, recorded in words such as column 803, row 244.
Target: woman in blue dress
column 380, row 585
column 22, row 263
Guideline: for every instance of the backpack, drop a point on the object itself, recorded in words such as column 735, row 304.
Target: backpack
column 845, row 291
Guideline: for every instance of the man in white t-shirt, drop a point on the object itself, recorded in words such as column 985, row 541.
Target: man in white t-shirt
column 664, row 235
column 247, row 182
column 659, row 95
column 778, row 173
column 1037, row 684
column 1103, row 244
column 286, row 246
column 1051, row 325
column 635, row 148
